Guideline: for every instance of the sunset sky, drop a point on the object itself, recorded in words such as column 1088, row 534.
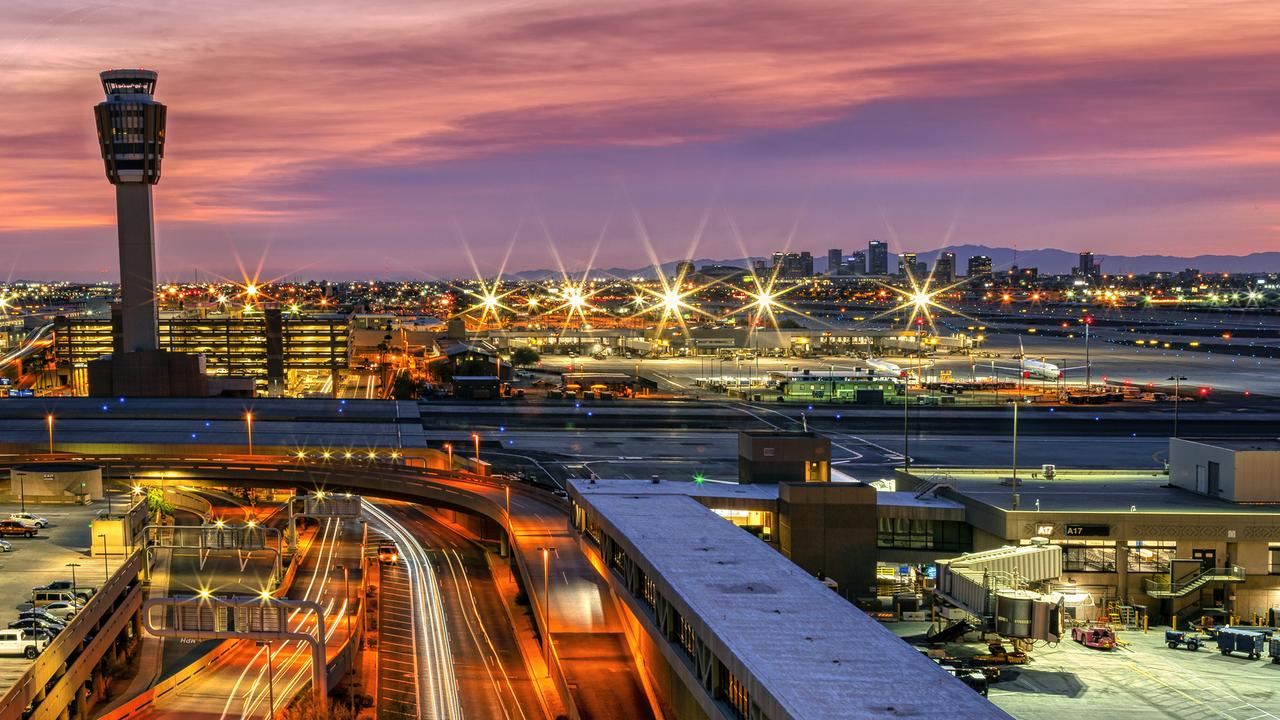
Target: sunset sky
column 375, row 138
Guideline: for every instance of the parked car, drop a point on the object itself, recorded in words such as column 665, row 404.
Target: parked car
column 15, row 528
column 41, row 597
column 5, row 546
column 29, row 519
column 13, row 642
column 42, row 614
column 84, row 591
column 36, row 624
column 64, row 610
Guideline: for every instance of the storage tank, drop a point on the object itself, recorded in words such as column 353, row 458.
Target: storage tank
column 1014, row 610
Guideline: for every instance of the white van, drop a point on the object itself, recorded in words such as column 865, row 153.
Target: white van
column 16, row 642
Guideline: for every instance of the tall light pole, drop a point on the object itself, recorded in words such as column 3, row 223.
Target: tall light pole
column 248, row 424
column 546, row 605
column 1088, row 369
column 1177, row 395
column 476, row 437
column 448, row 447
column 1013, row 484
column 48, row 419
column 271, row 683
column 74, row 586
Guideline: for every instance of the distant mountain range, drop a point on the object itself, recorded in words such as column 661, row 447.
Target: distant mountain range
column 1049, row 261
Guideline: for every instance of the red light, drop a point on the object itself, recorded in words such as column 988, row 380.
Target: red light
column 1088, row 319
column 919, row 321
column 1204, row 391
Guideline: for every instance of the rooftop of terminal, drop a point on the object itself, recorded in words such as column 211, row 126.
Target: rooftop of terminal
column 1083, row 491
column 799, row 644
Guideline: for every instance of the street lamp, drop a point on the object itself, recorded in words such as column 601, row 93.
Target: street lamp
column 248, row 424
column 271, row 684
column 1088, row 369
column 106, row 567
column 546, row 604
column 1177, row 395
column 1013, row 484
column 49, row 421
column 75, row 588
column 476, row 438
column 448, row 447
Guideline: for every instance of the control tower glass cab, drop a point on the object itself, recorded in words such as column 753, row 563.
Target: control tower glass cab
column 131, row 126
column 131, row 138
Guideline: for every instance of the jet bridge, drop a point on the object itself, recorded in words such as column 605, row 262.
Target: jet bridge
column 998, row 588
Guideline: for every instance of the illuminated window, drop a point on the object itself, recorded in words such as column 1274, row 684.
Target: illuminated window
column 1150, row 556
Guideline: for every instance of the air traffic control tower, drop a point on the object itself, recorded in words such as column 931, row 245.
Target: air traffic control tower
column 131, row 137
column 131, row 126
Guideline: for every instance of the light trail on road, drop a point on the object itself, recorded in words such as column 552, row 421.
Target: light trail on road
column 437, row 686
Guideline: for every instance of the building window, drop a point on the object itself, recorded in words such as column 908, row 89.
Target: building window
column 1275, row 558
column 687, row 638
column 1150, row 557
column 650, row 592
column 912, row 534
column 1089, row 556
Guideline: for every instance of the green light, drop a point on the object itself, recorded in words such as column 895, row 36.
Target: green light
column 699, row 478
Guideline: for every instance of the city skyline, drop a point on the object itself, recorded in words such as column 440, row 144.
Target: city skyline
column 373, row 152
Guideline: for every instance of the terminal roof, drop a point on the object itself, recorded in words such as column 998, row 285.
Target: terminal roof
column 1265, row 444
column 1083, row 491
column 817, row 655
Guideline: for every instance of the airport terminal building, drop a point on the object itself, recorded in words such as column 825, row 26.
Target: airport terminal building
column 1203, row 537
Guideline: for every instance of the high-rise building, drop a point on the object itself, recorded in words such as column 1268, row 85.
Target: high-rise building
column 944, row 268
column 1088, row 267
column 877, row 258
column 906, row 264
column 857, row 263
column 131, row 137
column 683, row 269
column 835, row 261
column 792, row 265
column 979, row 267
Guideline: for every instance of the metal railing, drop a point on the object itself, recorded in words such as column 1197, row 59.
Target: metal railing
column 1165, row 587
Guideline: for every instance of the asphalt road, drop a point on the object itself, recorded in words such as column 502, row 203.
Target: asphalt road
column 238, row 686
column 491, row 675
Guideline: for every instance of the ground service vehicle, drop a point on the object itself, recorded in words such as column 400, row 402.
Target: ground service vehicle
column 1192, row 641
column 998, row 655
column 15, row 642
column 15, row 528
column 1249, row 642
column 1100, row 638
